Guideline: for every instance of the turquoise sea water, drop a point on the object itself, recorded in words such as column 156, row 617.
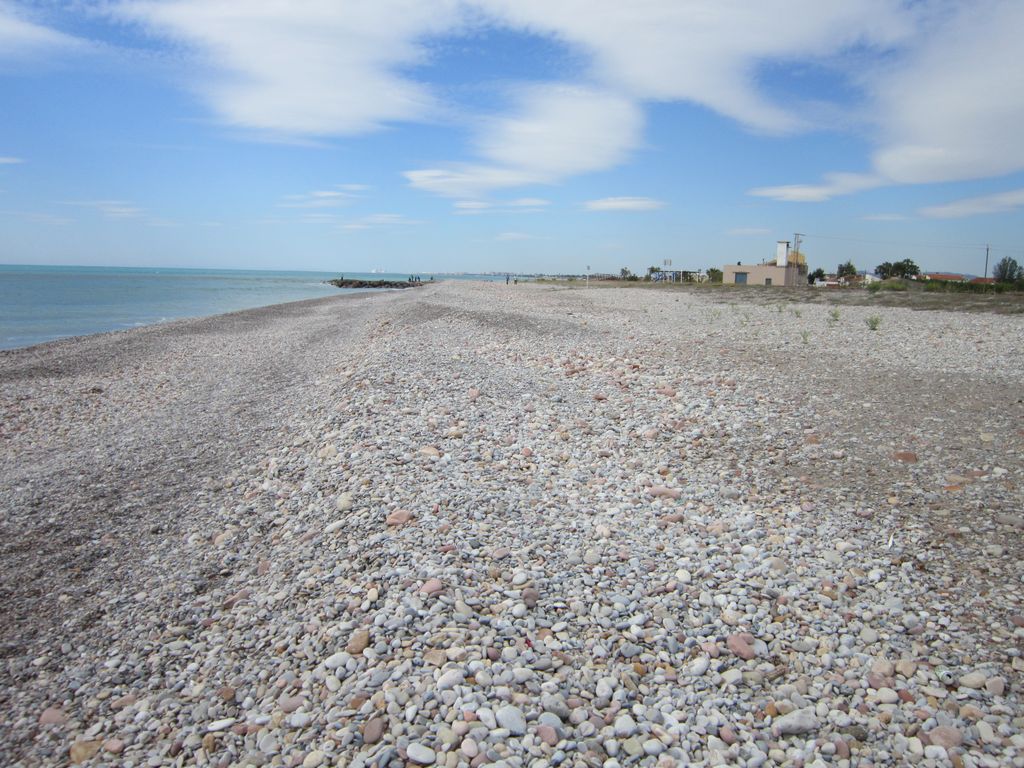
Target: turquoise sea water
column 39, row 304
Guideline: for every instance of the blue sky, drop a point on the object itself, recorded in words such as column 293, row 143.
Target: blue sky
column 526, row 135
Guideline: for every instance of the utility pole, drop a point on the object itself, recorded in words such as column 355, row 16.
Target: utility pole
column 986, row 261
column 588, row 275
column 797, row 254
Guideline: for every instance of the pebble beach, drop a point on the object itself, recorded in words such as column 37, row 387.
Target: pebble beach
column 534, row 525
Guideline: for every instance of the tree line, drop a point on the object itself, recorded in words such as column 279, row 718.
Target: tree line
column 1006, row 270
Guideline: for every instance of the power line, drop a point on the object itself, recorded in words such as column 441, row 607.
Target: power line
column 904, row 244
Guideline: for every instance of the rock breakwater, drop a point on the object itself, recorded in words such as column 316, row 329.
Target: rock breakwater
column 343, row 283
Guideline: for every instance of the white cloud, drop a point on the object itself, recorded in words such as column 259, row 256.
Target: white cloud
column 22, row 37
column 835, row 184
column 974, row 206
column 465, row 180
column 950, row 107
column 322, row 68
column 382, row 219
column 558, row 131
column 10, row 160
column 624, row 204
column 378, row 220
column 317, row 68
column 518, row 206
column 885, row 217
column 943, row 101
column 748, row 231
column 561, row 130
column 322, row 198
column 319, row 218
column 111, row 209
column 327, row 68
column 115, row 210
column 705, row 51
column 512, row 236
column 122, row 210
column 38, row 218
column 955, row 110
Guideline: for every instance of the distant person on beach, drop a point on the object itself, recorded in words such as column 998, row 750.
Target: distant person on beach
column 507, row 278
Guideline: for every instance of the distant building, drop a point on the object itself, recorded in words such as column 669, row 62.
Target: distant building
column 678, row 276
column 830, row 281
column 950, row 276
column 860, row 280
column 787, row 269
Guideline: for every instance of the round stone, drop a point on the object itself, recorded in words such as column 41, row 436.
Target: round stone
column 420, row 754
column 511, row 718
column 374, row 730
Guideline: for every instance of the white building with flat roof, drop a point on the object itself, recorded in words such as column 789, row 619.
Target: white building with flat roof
column 788, row 269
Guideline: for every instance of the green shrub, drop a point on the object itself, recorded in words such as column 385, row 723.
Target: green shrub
column 833, row 314
column 893, row 285
column 873, row 322
column 948, row 286
column 874, row 287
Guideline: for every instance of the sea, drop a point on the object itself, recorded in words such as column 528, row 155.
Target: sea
column 44, row 303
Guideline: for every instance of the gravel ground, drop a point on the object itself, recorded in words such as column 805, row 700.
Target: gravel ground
column 530, row 525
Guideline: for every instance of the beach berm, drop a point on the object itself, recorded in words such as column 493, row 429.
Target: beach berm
column 532, row 525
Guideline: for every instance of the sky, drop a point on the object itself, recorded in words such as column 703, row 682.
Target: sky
column 510, row 135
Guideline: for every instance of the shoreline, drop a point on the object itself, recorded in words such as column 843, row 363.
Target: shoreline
column 39, row 302
column 495, row 523
column 75, row 339
column 56, row 391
